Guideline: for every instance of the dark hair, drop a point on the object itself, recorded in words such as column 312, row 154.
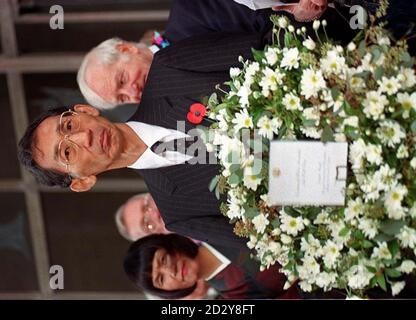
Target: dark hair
column 25, row 154
column 139, row 259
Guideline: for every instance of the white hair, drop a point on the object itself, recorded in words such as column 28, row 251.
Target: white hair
column 119, row 217
column 105, row 53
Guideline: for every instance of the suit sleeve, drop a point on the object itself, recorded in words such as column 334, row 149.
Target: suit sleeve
column 215, row 52
column 215, row 230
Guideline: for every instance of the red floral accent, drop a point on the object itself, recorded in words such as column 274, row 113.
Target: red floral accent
column 196, row 113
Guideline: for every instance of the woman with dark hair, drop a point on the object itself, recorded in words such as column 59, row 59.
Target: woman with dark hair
column 170, row 265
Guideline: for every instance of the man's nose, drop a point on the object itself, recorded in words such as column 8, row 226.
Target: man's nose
column 82, row 138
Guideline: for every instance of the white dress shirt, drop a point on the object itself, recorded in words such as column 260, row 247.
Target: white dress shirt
column 224, row 261
column 150, row 134
column 262, row 4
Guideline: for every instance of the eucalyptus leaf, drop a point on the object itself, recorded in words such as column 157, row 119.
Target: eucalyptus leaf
column 234, row 179
column 391, row 227
column 213, row 183
column 378, row 73
column 327, row 134
column 413, row 126
column 250, row 212
column 383, row 237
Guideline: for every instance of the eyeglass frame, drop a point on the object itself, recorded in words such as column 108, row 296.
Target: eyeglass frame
column 65, row 138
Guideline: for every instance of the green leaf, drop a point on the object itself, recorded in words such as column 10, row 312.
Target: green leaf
column 392, row 273
column 217, row 192
column 413, row 126
column 381, row 281
column 371, row 269
column 344, row 232
column 376, row 53
column 393, row 247
column 234, row 167
column 213, row 183
column 234, row 179
column 383, row 237
column 288, row 38
column 361, row 48
column 250, row 212
column 335, row 93
column 378, row 73
column 213, row 100
column 292, row 212
column 406, row 59
column 351, row 132
column 275, row 223
column 348, row 109
column 258, row 54
column 391, row 227
column 327, row 134
column 367, row 244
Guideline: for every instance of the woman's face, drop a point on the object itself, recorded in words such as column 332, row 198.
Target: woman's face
column 173, row 272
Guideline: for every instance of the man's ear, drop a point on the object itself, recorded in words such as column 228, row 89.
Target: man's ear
column 127, row 47
column 83, row 184
column 85, row 108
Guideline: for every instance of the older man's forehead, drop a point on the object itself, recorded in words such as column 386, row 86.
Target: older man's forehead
column 100, row 78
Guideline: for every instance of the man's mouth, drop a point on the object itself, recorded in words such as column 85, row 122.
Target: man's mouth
column 104, row 139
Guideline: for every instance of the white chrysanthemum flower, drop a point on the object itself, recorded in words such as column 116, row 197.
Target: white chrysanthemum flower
column 354, row 209
column 252, row 243
column 265, row 127
column 309, row 44
column 271, row 56
column 408, row 103
column 407, row 266
column 413, row 163
column 286, row 239
column 366, row 64
column 234, row 72
column 242, row 120
column 252, row 69
column 407, row 77
column 305, row 286
column 351, row 46
column 311, row 132
column 311, row 246
column 407, row 237
column 392, row 201
column 330, row 253
column 333, row 63
column 312, row 114
column 290, row 59
column 390, row 133
column 351, row 121
column 322, row 218
column 389, row 85
column 282, row 22
column 292, row 102
column 271, row 79
column 386, row 177
column 356, row 83
column 374, row 104
column 326, row 280
column 260, row 222
column 291, row 225
column 373, row 154
column 311, row 83
column 276, row 124
column 359, row 277
column 357, row 153
column 309, row 268
column 251, row 180
column 369, row 227
column 402, row 152
column 381, row 252
column 244, row 93
column 412, row 211
column 235, row 211
column 397, row 287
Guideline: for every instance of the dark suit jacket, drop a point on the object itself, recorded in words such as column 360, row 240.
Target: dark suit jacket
column 180, row 75
column 242, row 278
column 194, row 17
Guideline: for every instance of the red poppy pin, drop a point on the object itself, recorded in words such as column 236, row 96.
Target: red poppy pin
column 196, row 114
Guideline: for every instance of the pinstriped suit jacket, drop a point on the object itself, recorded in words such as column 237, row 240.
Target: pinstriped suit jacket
column 180, row 75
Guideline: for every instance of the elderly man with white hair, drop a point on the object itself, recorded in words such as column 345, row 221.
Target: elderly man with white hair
column 115, row 71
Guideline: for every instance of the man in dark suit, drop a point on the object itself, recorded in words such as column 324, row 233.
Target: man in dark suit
column 71, row 148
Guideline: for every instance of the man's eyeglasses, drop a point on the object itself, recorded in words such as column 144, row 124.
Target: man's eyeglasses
column 68, row 151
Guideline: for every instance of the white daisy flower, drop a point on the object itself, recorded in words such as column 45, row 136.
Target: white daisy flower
column 311, row 83
column 354, row 209
column 265, row 127
column 330, row 253
column 402, row 152
column 309, row 44
column 407, row 237
column 292, row 102
column 389, row 85
column 369, row 227
column 397, row 287
column 242, row 120
column 390, row 133
column 408, row 103
column 291, row 225
column 290, row 59
column 260, row 222
column 407, row 266
column 332, row 63
column 271, row 56
column 407, row 77
column 234, row 72
column 374, row 104
column 381, row 252
column 373, row 154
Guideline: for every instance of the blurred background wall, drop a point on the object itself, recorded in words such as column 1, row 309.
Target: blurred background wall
column 39, row 226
